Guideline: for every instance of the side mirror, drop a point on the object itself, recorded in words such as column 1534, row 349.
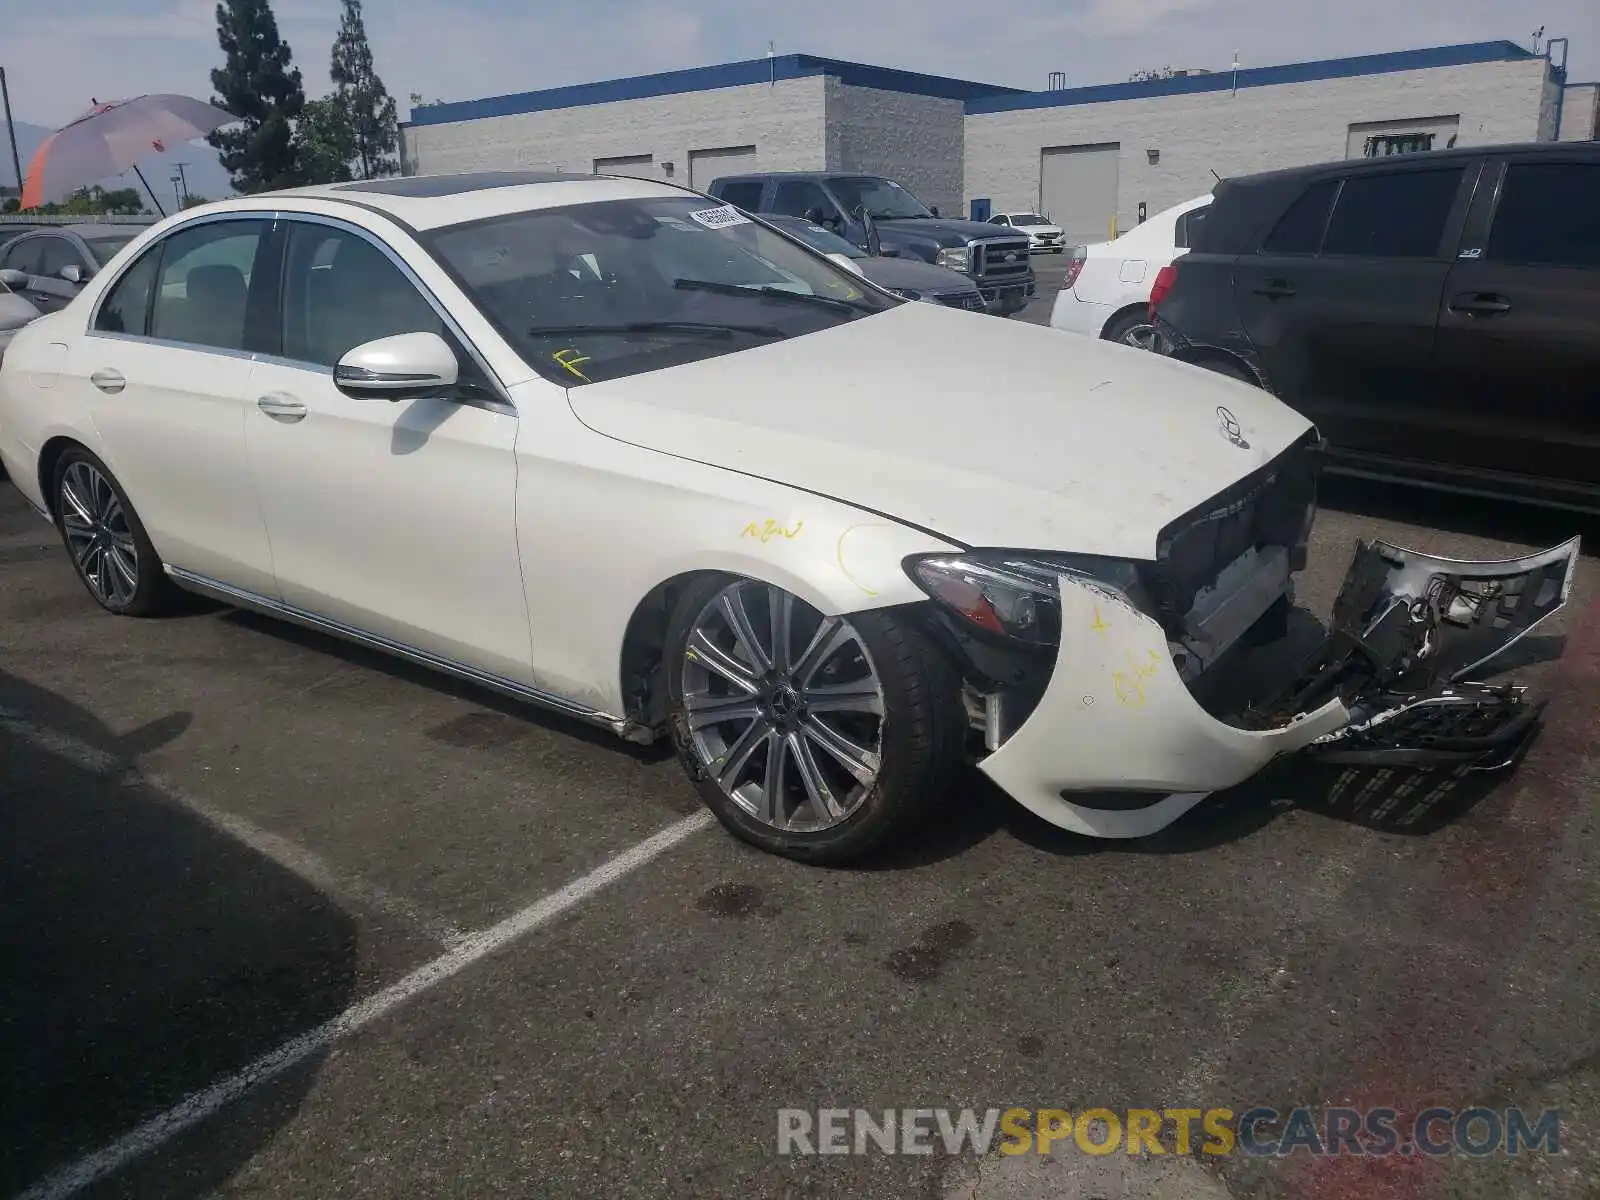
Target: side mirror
column 72, row 273
column 934, row 210
column 404, row 366
column 848, row 263
column 13, row 278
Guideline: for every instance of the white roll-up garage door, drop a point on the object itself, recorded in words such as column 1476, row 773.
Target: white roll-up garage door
column 1078, row 189
column 638, row 166
column 706, row 165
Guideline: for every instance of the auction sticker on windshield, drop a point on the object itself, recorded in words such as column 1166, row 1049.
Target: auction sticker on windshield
column 720, row 218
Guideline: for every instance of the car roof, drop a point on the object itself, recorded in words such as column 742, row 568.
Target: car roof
column 1454, row 154
column 431, row 201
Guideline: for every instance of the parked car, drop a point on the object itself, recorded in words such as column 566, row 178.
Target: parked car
column 996, row 260
column 50, row 265
column 908, row 277
column 1437, row 314
column 15, row 312
column 1106, row 292
column 617, row 450
column 1042, row 235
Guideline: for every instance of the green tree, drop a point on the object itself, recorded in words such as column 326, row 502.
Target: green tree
column 259, row 85
column 367, row 107
column 327, row 141
column 195, row 201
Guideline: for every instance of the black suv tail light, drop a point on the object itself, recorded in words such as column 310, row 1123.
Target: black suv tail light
column 1165, row 278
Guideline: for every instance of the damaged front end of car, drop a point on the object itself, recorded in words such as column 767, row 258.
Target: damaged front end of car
column 1086, row 676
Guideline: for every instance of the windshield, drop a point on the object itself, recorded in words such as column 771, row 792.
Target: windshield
column 592, row 292
column 824, row 240
column 883, row 198
column 105, row 249
column 1028, row 219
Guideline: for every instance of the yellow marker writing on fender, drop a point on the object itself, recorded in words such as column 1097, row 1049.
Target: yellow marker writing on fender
column 1099, row 622
column 765, row 533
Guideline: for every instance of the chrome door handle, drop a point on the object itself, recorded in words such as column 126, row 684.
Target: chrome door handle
column 108, row 381
column 276, row 404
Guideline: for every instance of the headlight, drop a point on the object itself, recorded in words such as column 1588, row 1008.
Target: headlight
column 957, row 258
column 1014, row 595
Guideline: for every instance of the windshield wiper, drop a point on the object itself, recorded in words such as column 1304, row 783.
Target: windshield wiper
column 770, row 292
column 702, row 328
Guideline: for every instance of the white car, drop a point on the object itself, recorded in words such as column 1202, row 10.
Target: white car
column 1042, row 235
column 1106, row 293
column 614, row 449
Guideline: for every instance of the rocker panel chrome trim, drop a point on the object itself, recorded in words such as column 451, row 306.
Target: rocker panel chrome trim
column 272, row 608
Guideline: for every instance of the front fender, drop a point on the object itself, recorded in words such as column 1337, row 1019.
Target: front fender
column 600, row 528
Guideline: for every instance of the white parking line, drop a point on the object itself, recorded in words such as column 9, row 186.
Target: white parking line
column 351, row 889
column 158, row 1130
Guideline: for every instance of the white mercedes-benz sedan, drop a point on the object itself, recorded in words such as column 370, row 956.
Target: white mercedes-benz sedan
column 609, row 446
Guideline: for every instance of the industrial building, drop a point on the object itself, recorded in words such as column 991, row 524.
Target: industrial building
column 1096, row 159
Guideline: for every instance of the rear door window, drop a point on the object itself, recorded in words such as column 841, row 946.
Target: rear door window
column 743, row 193
column 1548, row 215
column 1299, row 230
column 24, row 255
column 1398, row 215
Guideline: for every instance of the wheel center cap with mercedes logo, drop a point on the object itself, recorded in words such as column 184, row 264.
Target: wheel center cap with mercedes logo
column 1231, row 429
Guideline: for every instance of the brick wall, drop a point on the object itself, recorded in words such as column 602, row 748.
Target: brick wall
column 784, row 121
column 1259, row 129
column 914, row 140
column 1580, row 113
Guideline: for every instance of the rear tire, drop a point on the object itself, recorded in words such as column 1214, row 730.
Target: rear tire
column 105, row 539
column 1132, row 329
column 861, row 714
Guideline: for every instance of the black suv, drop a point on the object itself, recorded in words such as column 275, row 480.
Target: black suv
column 1436, row 314
column 995, row 259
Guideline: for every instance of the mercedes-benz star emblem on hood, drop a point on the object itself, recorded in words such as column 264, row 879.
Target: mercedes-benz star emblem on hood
column 1231, row 429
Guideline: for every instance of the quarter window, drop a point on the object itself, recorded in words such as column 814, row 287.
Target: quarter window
column 126, row 308
column 340, row 291
column 1399, row 215
column 1299, row 231
column 1547, row 216
column 204, row 284
column 744, row 193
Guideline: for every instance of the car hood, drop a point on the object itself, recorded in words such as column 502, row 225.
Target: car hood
column 914, row 273
column 986, row 432
column 1037, row 228
column 945, row 231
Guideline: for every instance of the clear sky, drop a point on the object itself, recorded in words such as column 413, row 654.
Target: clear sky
column 60, row 54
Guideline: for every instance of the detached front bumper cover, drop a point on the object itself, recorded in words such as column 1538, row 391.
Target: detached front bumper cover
column 1118, row 745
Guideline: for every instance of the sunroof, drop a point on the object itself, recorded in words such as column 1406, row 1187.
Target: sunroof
column 424, row 186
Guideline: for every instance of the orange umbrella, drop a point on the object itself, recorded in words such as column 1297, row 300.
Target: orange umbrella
column 111, row 138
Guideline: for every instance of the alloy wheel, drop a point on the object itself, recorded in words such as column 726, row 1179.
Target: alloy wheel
column 783, row 707
column 1142, row 337
column 98, row 535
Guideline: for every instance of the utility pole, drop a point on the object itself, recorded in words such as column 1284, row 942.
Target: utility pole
column 176, row 194
column 184, row 181
column 11, row 132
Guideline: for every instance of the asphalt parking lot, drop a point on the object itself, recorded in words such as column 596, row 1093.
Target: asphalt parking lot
column 287, row 919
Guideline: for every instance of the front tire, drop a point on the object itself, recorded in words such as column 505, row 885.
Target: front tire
column 816, row 738
column 108, row 545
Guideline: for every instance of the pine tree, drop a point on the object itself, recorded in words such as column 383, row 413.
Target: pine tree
column 258, row 84
column 368, row 107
